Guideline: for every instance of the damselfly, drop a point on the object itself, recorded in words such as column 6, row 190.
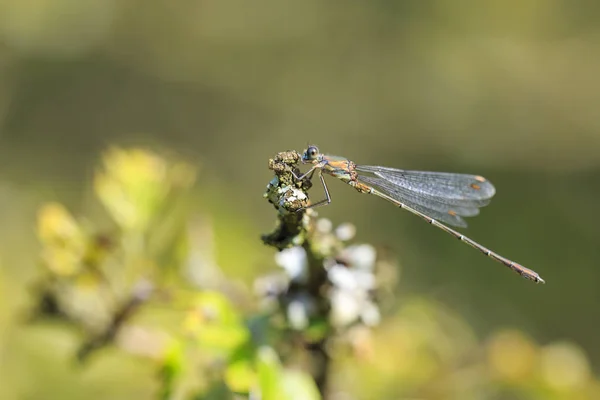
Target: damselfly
column 433, row 196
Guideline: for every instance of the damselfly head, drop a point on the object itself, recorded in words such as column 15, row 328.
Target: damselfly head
column 311, row 154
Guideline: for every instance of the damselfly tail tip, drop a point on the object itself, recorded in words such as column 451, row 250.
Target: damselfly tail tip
column 535, row 278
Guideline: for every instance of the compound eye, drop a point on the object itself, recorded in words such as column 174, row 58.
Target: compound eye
column 312, row 151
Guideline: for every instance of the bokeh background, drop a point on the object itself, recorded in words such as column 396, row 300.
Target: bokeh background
column 505, row 89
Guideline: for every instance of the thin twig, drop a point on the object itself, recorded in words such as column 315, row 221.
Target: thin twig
column 140, row 294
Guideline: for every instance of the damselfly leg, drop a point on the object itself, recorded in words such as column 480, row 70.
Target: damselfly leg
column 327, row 199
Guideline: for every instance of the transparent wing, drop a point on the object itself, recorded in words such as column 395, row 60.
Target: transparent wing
column 460, row 190
column 442, row 211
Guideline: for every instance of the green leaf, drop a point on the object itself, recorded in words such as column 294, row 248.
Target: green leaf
column 64, row 242
column 240, row 376
column 277, row 383
column 135, row 184
column 298, row 385
column 317, row 330
column 216, row 323
column 216, row 391
column 171, row 369
column 269, row 373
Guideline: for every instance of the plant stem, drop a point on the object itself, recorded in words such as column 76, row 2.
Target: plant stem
column 294, row 228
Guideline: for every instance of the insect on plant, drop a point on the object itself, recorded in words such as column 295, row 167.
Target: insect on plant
column 434, row 196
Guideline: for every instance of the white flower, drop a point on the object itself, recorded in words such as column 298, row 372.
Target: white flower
column 345, row 232
column 324, row 225
column 294, row 262
column 350, row 279
column 342, row 277
column 361, row 256
column 350, row 296
column 298, row 312
column 370, row 315
column 345, row 307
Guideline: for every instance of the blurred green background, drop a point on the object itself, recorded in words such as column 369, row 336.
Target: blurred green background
column 505, row 89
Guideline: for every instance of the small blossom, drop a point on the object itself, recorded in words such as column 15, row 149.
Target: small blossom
column 324, row 225
column 293, row 261
column 299, row 310
column 370, row 314
column 361, row 256
column 350, row 296
column 298, row 314
column 345, row 308
column 342, row 277
column 351, row 279
column 345, row 232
